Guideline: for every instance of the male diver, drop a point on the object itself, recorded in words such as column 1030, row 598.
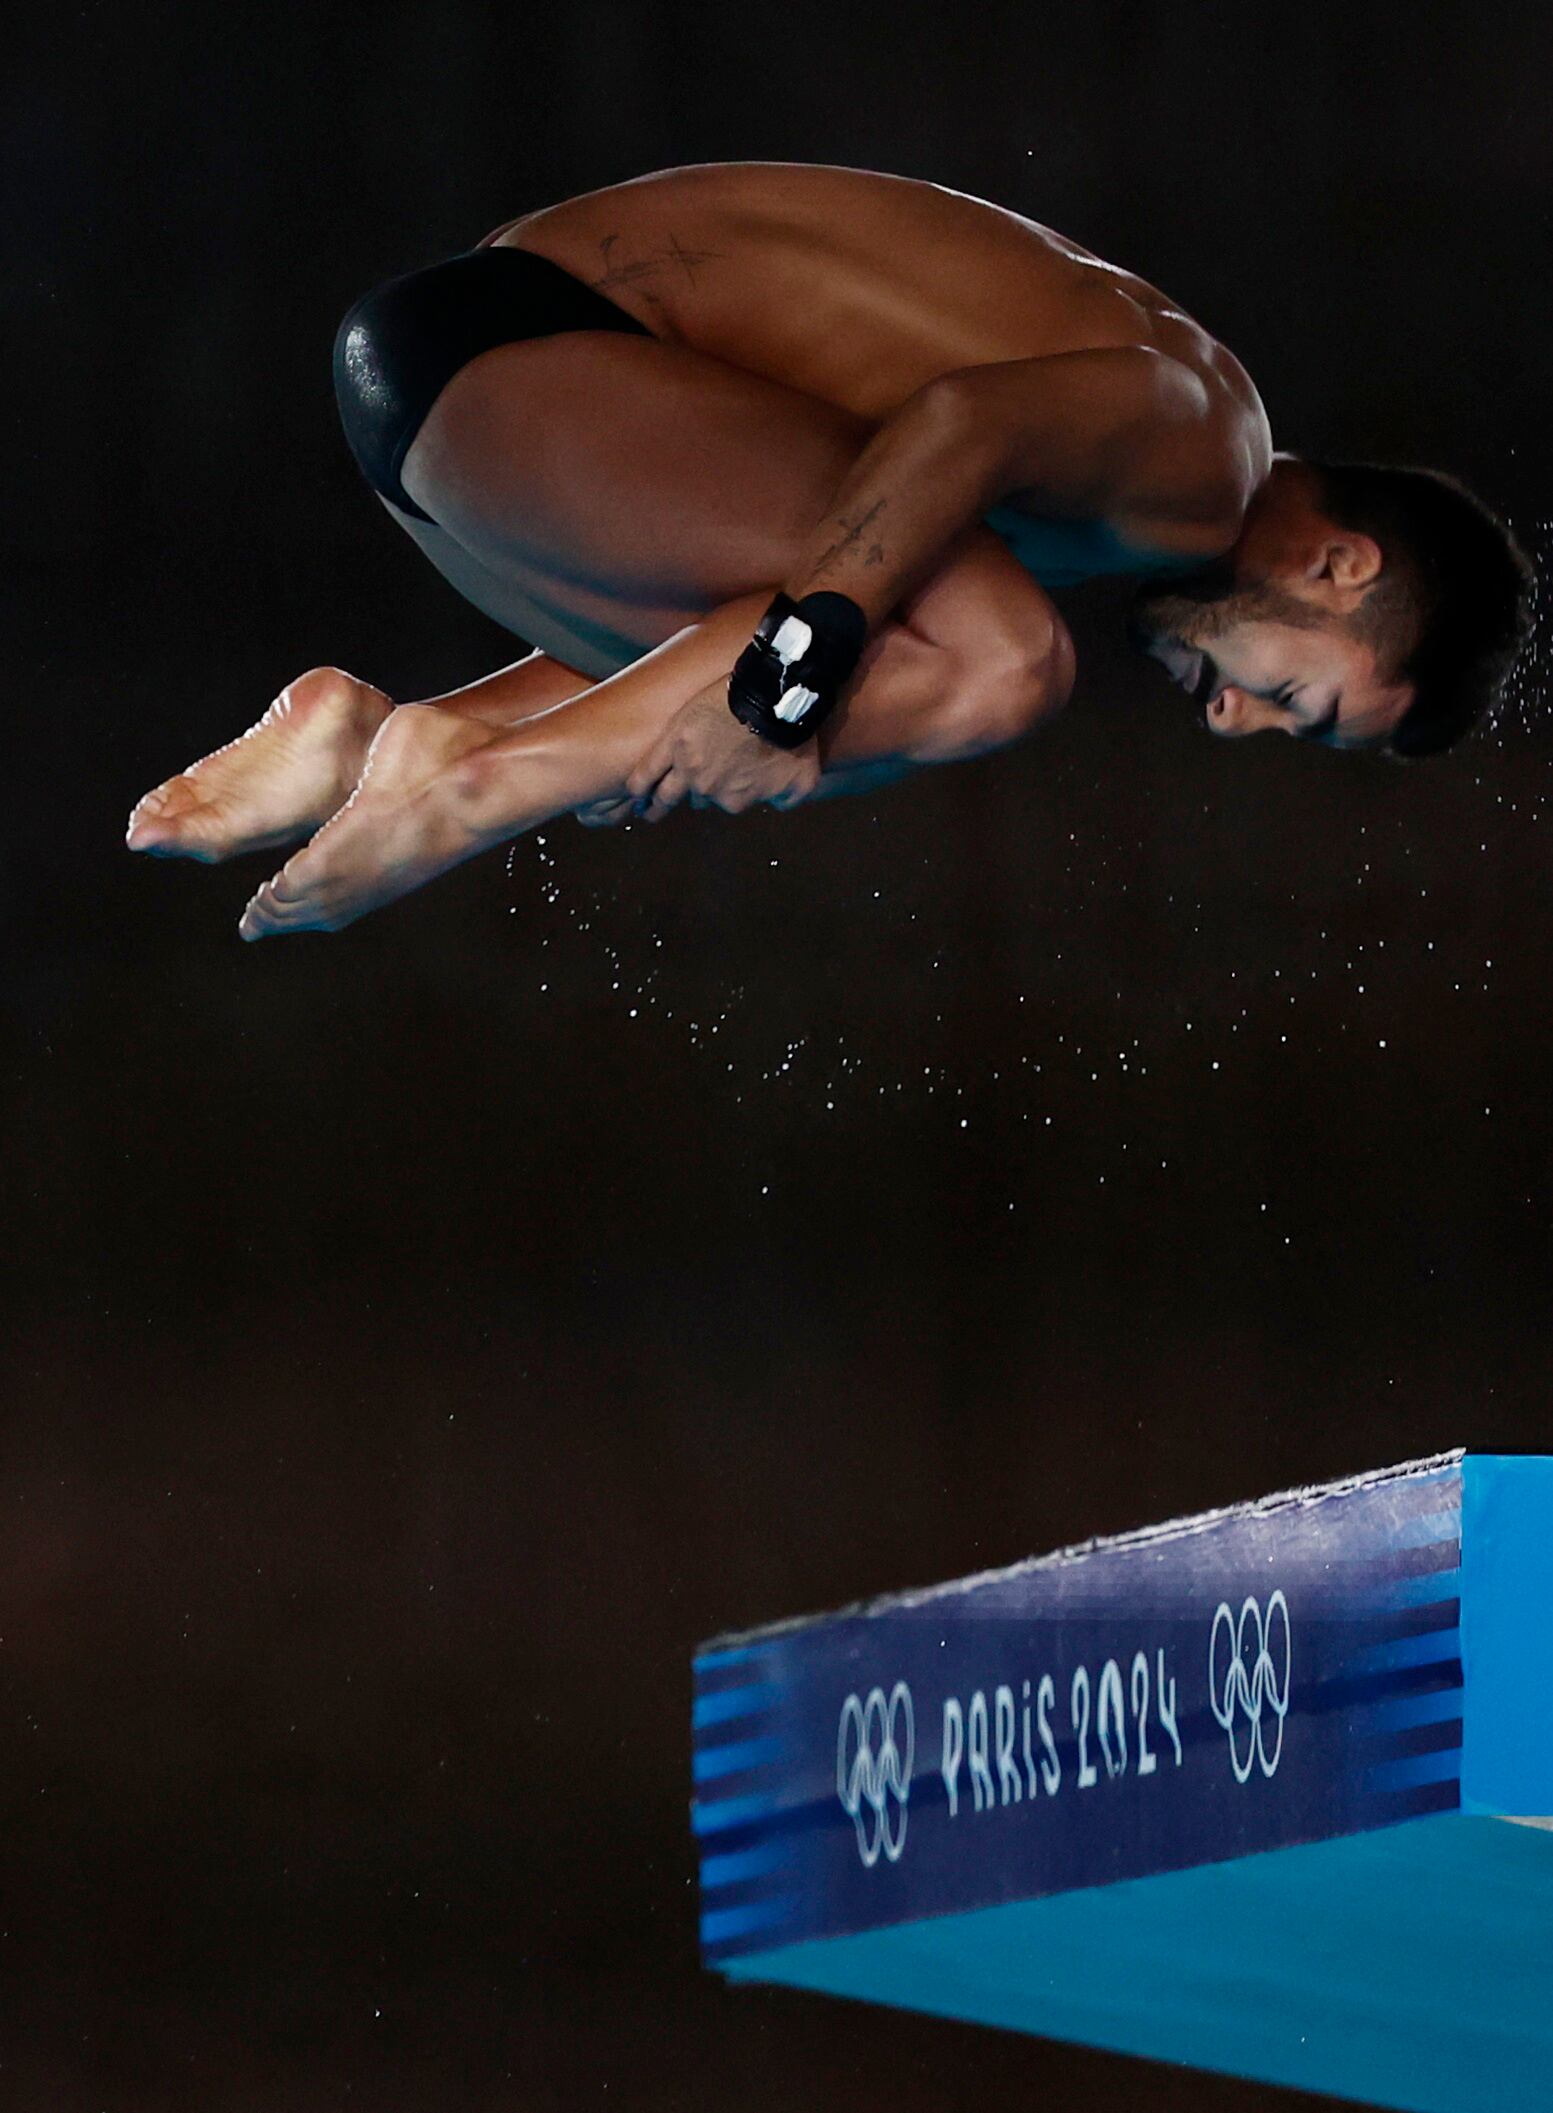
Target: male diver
column 774, row 465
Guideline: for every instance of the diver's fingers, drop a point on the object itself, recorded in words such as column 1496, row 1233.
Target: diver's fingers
column 673, row 787
column 604, row 814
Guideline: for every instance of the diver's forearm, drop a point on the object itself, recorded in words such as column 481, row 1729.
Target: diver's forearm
column 903, row 709
column 924, row 476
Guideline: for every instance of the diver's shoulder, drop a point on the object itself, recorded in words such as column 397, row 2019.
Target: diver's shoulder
column 1242, row 430
column 1234, row 427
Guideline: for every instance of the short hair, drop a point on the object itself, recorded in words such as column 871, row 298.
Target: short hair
column 1452, row 609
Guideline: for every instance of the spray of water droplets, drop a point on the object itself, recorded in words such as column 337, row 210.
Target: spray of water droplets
column 1522, row 704
column 1337, row 955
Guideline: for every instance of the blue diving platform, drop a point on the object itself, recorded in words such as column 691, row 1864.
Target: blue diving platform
column 1267, row 1791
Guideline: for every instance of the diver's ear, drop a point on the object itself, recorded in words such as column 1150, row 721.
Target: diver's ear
column 1347, row 559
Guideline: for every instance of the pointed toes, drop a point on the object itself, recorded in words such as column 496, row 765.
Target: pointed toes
column 172, row 819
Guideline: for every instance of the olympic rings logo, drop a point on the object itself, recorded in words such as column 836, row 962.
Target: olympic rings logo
column 873, row 1769
column 1250, row 1663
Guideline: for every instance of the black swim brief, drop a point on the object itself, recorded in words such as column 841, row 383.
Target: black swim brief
column 401, row 345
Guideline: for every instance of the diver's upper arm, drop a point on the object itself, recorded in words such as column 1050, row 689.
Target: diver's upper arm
column 1120, row 433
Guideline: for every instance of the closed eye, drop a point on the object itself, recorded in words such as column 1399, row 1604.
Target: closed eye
column 1319, row 729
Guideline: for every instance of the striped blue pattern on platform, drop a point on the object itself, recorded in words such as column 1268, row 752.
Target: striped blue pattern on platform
column 727, row 1705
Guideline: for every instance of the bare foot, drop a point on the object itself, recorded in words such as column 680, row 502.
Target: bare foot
column 280, row 780
column 408, row 820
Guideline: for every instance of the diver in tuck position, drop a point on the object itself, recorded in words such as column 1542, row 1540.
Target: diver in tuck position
column 774, row 465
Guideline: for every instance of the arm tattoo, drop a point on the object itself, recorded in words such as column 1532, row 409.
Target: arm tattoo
column 850, row 540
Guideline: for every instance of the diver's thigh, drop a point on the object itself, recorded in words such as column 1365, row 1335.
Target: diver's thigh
column 599, row 634
column 628, row 467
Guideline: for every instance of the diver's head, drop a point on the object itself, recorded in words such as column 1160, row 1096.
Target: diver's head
column 1361, row 607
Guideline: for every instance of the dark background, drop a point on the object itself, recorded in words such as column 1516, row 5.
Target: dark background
column 418, row 1339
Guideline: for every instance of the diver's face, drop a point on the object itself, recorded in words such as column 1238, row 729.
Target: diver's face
column 1262, row 657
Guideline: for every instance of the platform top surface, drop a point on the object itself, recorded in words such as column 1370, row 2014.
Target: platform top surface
column 1139, row 1537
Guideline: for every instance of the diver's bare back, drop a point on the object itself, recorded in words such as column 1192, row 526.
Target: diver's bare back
column 860, row 288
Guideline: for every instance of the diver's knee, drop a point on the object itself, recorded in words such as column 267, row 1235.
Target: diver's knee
column 1009, row 693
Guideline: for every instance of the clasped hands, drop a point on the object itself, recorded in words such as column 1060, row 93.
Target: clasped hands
column 706, row 756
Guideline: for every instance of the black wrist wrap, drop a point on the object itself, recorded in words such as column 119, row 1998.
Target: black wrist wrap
column 787, row 679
